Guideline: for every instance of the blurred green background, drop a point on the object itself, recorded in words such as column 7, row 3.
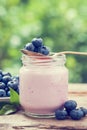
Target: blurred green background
column 61, row 23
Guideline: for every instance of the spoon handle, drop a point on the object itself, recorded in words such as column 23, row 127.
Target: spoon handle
column 71, row 52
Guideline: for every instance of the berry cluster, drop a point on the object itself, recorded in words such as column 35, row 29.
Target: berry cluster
column 70, row 111
column 36, row 45
column 8, row 81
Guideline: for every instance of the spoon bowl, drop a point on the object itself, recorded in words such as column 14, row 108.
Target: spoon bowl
column 35, row 54
column 31, row 53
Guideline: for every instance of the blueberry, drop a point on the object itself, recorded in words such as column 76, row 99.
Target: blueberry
column 44, row 50
column 6, row 78
column 6, row 74
column 0, row 77
column 6, row 89
column 17, row 90
column 70, row 105
column 12, row 84
column 36, row 49
column 15, row 78
column 76, row 114
column 61, row 114
column 1, row 72
column 84, row 110
column 2, row 85
column 8, row 93
column 29, row 47
column 2, row 93
column 37, row 42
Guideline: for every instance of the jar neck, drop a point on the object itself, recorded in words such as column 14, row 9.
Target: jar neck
column 43, row 61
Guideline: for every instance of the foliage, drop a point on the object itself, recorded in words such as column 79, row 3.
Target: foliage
column 61, row 24
column 11, row 106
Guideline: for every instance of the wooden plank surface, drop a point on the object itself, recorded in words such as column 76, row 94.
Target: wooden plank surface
column 19, row 121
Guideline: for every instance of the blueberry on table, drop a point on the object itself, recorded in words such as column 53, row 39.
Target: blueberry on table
column 8, row 81
column 61, row 114
column 2, row 85
column 0, row 77
column 1, row 72
column 2, row 93
column 70, row 105
column 6, row 73
column 76, row 114
column 8, row 94
column 6, row 78
column 29, row 47
column 17, row 90
column 84, row 110
column 12, row 84
column 16, row 79
column 6, row 89
column 37, row 42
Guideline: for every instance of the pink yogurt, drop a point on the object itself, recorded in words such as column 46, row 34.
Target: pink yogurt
column 43, row 85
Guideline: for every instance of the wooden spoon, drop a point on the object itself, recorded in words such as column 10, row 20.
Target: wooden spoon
column 35, row 54
column 41, row 56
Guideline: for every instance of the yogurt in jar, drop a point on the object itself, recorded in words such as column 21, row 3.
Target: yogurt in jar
column 43, row 84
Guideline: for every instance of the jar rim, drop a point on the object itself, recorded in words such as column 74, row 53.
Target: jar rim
column 50, row 56
column 60, row 59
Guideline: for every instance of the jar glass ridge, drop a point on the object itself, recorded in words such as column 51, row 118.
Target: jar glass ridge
column 39, row 60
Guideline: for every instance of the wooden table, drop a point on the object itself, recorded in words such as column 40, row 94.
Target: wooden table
column 18, row 121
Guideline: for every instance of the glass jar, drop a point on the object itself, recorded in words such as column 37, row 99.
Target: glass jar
column 43, row 85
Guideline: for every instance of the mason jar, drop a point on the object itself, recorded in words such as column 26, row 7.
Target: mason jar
column 43, row 85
